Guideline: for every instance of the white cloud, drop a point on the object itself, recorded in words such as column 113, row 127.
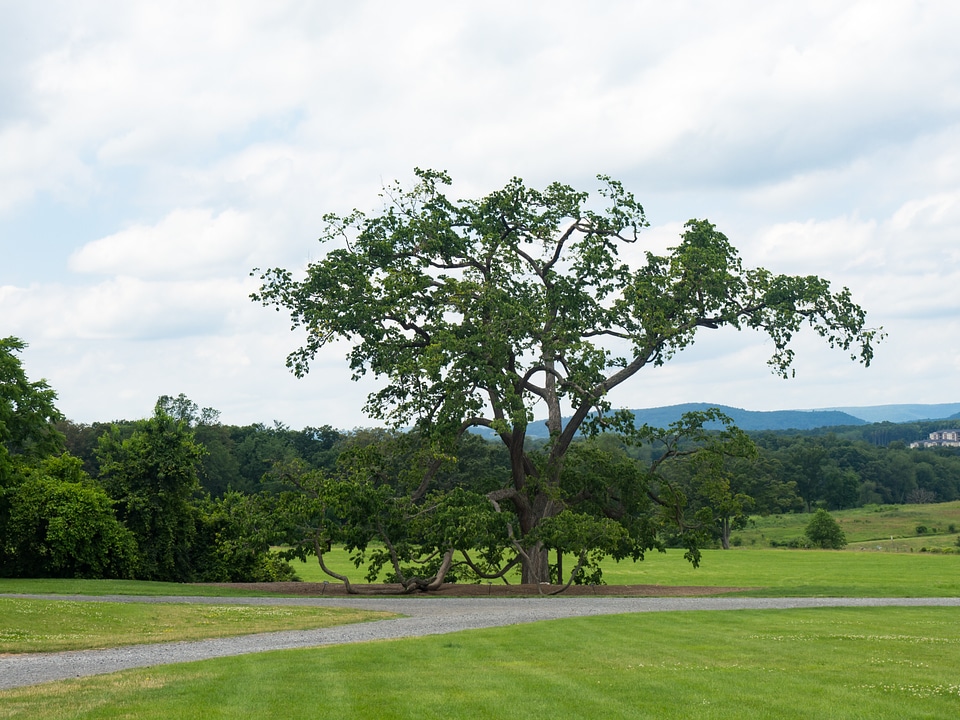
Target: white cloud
column 186, row 243
column 125, row 309
column 820, row 247
column 735, row 93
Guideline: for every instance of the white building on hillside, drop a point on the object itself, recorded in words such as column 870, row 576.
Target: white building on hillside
column 940, row 438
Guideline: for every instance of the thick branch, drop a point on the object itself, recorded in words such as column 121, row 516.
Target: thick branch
column 573, row 575
column 323, row 566
column 488, row 576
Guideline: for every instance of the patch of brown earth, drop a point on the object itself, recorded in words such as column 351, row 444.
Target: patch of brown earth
column 311, row 589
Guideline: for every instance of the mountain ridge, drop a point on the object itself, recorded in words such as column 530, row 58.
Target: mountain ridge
column 759, row 420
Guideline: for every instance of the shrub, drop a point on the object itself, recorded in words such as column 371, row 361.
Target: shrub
column 65, row 529
column 922, row 529
column 792, row 543
column 824, row 532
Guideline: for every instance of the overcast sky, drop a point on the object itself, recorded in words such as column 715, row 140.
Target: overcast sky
column 152, row 154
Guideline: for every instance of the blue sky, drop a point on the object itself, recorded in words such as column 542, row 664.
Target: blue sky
column 152, row 154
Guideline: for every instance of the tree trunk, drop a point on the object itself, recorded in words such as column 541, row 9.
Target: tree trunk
column 535, row 568
column 725, row 533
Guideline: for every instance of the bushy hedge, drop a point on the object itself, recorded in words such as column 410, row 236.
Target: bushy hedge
column 59, row 528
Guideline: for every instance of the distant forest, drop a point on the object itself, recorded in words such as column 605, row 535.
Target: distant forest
column 832, row 467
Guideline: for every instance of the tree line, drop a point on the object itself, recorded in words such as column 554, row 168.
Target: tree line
column 834, row 468
column 789, row 471
column 181, row 496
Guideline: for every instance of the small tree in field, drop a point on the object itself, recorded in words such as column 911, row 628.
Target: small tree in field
column 486, row 312
column 824, row 532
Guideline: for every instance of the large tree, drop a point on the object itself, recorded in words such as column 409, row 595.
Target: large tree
column 487, row 312
column 152, row 476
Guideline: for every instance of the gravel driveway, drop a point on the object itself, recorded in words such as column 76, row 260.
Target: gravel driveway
column 422, row 616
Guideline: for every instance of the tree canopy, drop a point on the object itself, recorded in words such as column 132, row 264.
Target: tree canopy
column 27, row 411
column 485, row 312
column 152, row 477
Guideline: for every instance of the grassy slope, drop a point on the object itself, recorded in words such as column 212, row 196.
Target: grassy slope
column 877, row 663
column 871, row 526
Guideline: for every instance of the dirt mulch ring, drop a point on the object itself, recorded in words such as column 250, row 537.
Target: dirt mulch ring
column 311, row 589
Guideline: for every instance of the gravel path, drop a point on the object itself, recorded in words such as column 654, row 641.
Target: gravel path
column 422, row 616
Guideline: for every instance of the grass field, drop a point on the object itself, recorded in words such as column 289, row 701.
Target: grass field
column 768, row 572
column 887, row 529
column 114, row 587
column 54, row 625
column 891, row 528
column 864, row 663
column 827, row 663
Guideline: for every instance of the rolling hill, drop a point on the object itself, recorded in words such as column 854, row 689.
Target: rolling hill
column 756, row 420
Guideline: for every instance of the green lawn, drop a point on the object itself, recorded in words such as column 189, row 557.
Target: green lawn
column 864, row 663
column 54, row 625
column 826, row 663
column 114, row 587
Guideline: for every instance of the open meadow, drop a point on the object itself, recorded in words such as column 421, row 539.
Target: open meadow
column 882, row 528
column 907, row 565
column 763, row 572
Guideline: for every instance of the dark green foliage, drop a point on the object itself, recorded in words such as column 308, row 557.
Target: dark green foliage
column 824, row 532
column 220, row 469
column 846, row 472
column 27, row 414
column 152, row 476
column 62, row 525
column 728, row 489
column 81, row 440
column 792, row 543
column 233, row 541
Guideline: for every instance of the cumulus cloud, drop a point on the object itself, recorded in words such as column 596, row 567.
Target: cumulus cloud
column 184, row 244
column 124, row 308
